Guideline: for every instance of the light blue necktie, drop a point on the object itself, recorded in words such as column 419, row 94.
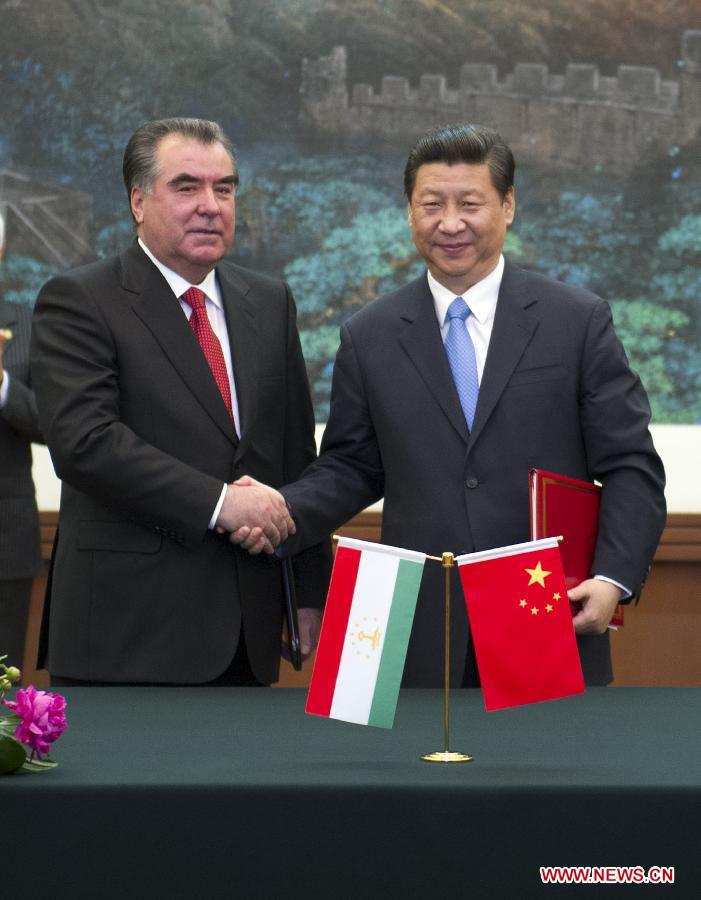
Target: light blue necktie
column 461, row 356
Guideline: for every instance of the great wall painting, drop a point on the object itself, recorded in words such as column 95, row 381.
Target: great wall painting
column 571, row 120
column 323, row 100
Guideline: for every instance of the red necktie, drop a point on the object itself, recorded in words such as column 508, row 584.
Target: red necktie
column 199, row 322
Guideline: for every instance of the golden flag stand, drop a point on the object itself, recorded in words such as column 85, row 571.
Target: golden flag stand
column 447, row 755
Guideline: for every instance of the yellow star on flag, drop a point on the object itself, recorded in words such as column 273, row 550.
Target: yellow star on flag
column 534, row 610
column 538, row 575
column 556, row 596
column 522, row 603
column 548, row 607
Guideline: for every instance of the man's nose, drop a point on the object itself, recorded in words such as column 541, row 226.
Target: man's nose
column 208, row 204
column 452, row 220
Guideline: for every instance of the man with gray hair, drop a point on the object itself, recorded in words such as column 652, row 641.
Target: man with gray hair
column 163, row 375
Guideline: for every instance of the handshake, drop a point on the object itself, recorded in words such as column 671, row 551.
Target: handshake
column 255, row 516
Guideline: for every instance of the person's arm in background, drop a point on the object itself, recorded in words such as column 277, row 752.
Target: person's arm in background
column 18, row 407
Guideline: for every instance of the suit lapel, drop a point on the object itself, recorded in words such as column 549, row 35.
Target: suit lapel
column 242, row 325
column 512, row 331
column 154, row 303
column 421, row 340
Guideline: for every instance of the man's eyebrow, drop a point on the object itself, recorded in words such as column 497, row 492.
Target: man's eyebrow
column 442, row 192
column 185, row 178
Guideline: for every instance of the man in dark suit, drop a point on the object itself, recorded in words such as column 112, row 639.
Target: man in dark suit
column 161, row 376
column 552, row 387
column 20, row 549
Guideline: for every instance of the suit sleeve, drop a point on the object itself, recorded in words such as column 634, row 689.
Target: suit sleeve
column 20, row 410
column 348, row 475
column 76, row 374
column 615, row 416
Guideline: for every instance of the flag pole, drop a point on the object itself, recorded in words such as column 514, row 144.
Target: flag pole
column 447, row 755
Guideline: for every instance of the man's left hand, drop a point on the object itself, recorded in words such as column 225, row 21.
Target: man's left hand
column 309, row 628
column 598, row 601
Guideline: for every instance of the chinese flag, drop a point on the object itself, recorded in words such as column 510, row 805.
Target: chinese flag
column 521, row 624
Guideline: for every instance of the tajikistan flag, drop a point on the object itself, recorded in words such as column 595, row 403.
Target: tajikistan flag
column 365, row 633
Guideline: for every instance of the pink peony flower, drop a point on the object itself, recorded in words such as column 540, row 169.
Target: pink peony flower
column 43, row 718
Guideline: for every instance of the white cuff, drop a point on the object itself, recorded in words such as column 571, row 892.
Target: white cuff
column 217, row 508
column 625, row 593
column 4, row 388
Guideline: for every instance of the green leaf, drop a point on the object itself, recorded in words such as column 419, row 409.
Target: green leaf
column 12, row 754
column 38, row 765
column 8, row 725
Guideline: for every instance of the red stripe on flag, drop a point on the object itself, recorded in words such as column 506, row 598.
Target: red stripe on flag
column 333, row 631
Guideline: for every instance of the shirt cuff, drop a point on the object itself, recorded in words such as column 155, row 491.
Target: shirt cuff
column 4, row 388
column 217, row 508
column 625, row 593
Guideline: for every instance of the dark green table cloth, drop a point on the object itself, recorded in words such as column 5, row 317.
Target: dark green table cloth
column 236, row 793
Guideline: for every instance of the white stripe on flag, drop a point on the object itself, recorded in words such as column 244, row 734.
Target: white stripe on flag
column 512, row 550
column 355, row 544
column 369, row 614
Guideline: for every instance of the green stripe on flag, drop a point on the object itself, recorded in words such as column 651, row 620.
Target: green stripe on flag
column 401, row 617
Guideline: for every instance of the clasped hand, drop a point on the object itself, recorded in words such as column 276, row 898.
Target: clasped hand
column 255, row 516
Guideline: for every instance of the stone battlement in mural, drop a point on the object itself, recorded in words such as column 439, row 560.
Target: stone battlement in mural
column 578, row 118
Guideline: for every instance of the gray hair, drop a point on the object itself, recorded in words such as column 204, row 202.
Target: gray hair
column 139, row 166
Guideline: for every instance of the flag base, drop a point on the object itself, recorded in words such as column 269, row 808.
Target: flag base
column 447, row 756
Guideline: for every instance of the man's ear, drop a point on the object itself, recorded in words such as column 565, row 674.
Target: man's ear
column 509, row 205
column 136, row 201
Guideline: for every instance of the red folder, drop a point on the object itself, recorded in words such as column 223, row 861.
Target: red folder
column 570, row 507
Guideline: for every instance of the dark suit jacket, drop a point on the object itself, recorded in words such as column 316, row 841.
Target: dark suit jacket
column 140, row 589
column 556, row 393
column 20, row 551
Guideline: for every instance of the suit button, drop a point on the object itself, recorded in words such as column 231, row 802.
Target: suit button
column 471, row 483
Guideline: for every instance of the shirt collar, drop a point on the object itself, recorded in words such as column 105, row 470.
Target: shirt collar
column 179, row 285
column 481, row 297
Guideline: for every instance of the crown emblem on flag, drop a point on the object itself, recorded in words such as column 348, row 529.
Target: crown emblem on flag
column 359, row 635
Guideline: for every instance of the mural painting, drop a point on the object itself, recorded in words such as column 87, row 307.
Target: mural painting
column 601, row 103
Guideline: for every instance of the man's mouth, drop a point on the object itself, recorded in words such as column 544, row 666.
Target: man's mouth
column 454, row 248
